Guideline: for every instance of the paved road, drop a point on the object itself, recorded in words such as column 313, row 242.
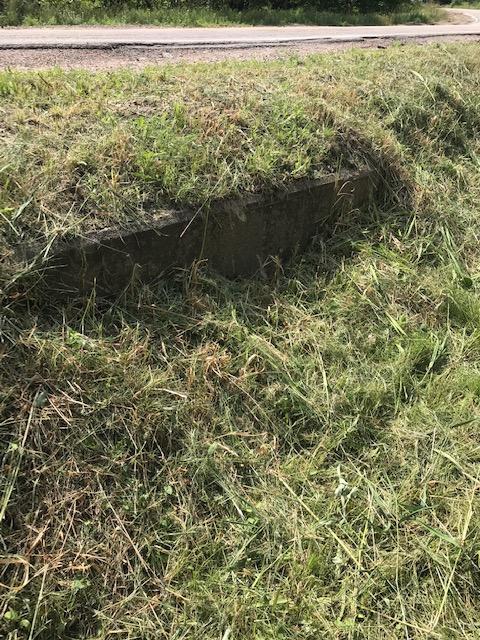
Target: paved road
column 222, row 37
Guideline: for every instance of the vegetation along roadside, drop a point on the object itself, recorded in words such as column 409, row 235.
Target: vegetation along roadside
column 216, row 13
column 292, row 457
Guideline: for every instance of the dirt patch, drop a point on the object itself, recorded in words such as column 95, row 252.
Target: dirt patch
column 456, row 17
column 138, row 57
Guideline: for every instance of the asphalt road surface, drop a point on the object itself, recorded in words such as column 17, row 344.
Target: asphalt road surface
column 222, row 37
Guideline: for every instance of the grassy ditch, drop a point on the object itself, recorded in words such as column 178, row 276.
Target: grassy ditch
column 285, row 458
column 93, row 13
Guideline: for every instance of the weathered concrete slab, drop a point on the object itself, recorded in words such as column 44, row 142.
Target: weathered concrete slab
column 235, row 237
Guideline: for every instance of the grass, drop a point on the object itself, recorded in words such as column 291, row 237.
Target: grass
column 469, row 4
column 78, row 13
column 203, row 458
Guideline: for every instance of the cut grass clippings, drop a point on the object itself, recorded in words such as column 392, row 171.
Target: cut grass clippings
column 293, row 458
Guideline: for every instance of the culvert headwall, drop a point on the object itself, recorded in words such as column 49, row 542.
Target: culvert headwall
column 235, row 237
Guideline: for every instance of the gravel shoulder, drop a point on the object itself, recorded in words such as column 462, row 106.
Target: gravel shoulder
column 138, row 57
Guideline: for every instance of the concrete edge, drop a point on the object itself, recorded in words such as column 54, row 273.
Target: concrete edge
column 236, row 237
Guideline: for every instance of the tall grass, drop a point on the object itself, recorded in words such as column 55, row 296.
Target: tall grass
column 17, row 13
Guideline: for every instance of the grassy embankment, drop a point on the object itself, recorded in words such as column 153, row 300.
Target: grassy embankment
column 88, row 13
column 294, row 458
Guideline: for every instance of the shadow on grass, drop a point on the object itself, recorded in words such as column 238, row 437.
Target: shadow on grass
column 201, row 312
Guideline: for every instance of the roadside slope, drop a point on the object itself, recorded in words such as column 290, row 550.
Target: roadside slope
column 293, row 457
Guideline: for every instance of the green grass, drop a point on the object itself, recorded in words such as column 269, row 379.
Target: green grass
column 469, row 4
column 294, row 458
column 78, row 13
